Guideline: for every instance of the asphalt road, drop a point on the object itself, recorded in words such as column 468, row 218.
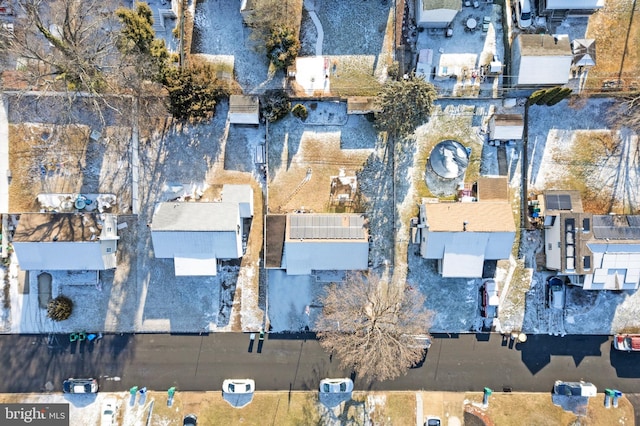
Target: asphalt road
column 198, row 363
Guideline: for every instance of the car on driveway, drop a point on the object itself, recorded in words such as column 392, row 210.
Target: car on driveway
column 108, row 417
column 490, row 299
column 627, row 342
column 555, row 293
column 336, row 385
column 190, row 420
column 238, row 386
column 72, row 385
column 574, row 388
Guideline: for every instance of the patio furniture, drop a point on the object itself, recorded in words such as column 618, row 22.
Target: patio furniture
column 471, row 23
column 476, row 4
column 485, row 23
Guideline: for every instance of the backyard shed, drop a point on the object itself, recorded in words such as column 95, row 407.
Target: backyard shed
column 541, row 60
column 244, row 109
column 66, row 241
column 436, row 13
column 325, row 242
column 504, row 127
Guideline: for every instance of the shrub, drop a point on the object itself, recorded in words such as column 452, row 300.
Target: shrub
column 282, row 46
column 562, row 94
column 536, row 96
column 60, row 308
column 275, row 105
column 300, row 111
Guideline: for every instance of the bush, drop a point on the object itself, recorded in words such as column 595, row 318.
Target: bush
column 275, row 105
column 60, row 308
column 536, row 96
column 300, row 111
column 562, row 94
column 282, row 46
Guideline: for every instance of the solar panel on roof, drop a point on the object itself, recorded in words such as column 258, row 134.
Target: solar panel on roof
column 558, row 202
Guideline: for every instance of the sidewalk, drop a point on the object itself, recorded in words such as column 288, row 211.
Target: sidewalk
column 510, row 409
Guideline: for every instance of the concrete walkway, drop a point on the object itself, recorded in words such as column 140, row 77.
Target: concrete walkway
column 4, row 158
column 310, row 5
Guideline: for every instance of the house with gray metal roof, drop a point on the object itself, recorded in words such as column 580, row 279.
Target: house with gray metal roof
column 596, row 252
column 196, row 235
column 306, row 242
column 66, row 241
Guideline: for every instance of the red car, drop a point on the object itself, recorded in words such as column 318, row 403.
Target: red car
column 627, row 342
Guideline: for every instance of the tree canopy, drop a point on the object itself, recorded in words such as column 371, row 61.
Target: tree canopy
column 192, row 91
column 282, row 46
column 369, row 324
column 405, row 104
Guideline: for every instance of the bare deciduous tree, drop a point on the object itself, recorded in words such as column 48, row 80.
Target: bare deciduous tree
column 65, row 46
column 370, row 325
column 631, row 113
column 68, row 40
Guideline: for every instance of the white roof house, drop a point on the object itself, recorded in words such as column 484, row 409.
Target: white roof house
column 244, row 109
column 597, row 252
column 436, row 13
column 317, row 242
column 541, row 60
column 506, row 127
column 564, row 7
column 196, row 235
column 66, row 241
column 241, row 195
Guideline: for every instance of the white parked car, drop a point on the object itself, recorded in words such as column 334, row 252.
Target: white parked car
column 555, row 293
column 108, row 417
column 336, row 385
column 238, row 386
column 523, row 13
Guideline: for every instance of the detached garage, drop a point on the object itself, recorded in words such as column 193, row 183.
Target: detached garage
column 541, row 60
column 244, row 109
column 505, row 127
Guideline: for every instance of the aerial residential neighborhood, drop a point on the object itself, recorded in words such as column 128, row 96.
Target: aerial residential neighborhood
column 320, row 212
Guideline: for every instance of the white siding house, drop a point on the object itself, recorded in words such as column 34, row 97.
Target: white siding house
column 596, row 252
column 66, row 241
column 317, row 242
column 541, row 60
column 436, row 13
column 196, row 235
column 569, row 7
column 461, row 236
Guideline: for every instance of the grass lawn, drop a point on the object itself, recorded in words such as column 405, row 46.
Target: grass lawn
column 609, row 27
